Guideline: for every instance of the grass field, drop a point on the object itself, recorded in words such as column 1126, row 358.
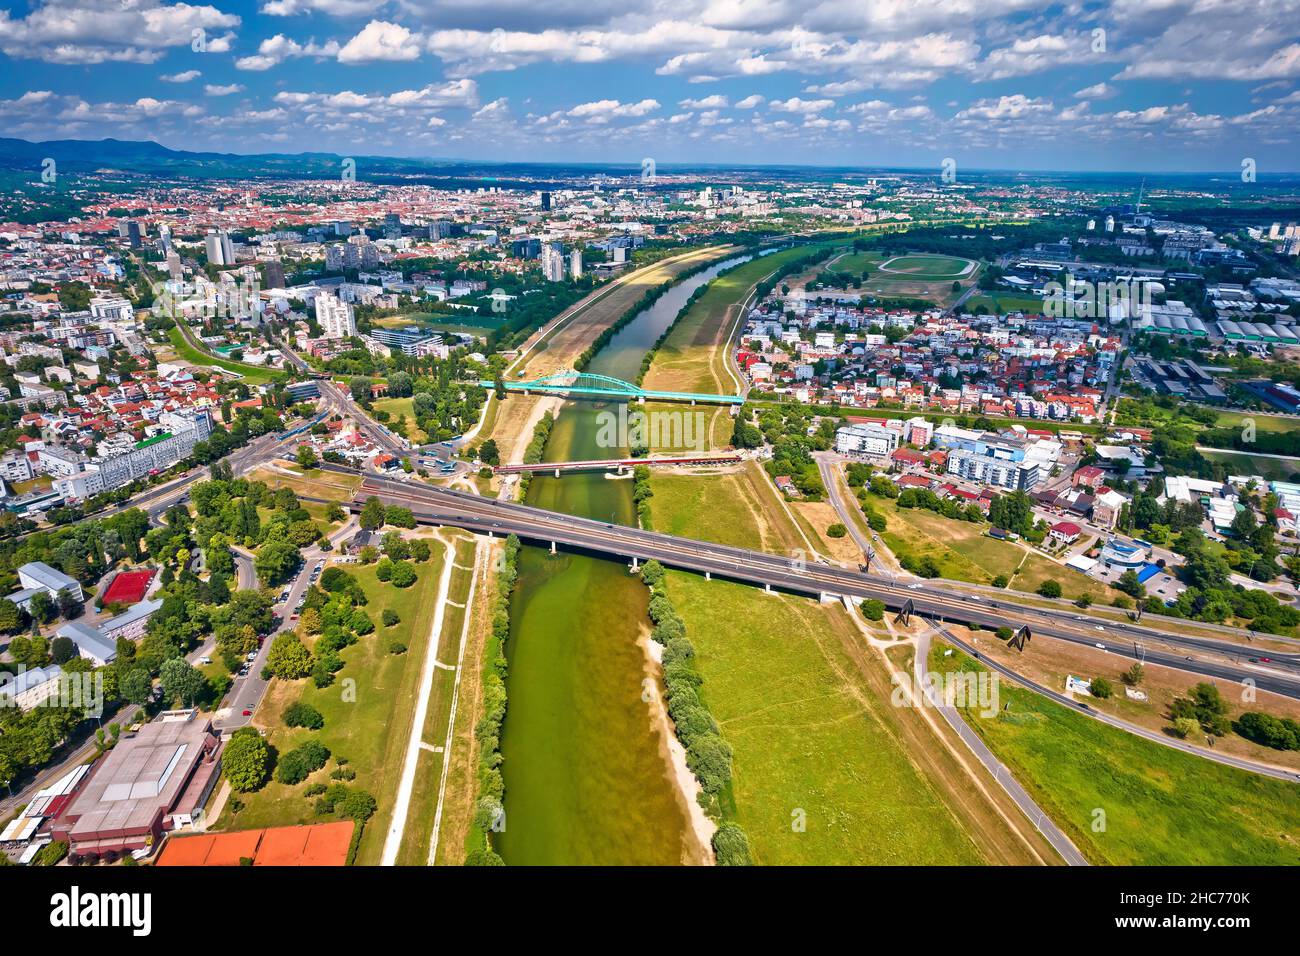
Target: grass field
column 370, row 730
column 1161, row 807
column 805, row 708
column 964, row 552
column 1263, row 423
column 808, row 736
column 252, row 374
column 1274, row 469
column 399, row 407
column 909, row 277
column 996, row 303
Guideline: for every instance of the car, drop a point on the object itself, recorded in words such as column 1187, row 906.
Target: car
column 250, row 656
column 293, row 617
column 246, row 712
column 1098, row 627
column 205, row 659
column 1102, row 646
column 1266, row 660
column 914, row 587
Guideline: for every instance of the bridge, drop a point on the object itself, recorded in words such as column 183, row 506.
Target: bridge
column 937, row 600
column 616, row 464
column 589, row 385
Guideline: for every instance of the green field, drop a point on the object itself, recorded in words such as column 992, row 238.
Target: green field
column 928, row 267
column 964, row 552
column 371, row 730
column 253, row 374
column 1161, row 807
column 1263, row 423
column 996, row 303
column 1240, row 463
column 810, row 741
column 398, row 407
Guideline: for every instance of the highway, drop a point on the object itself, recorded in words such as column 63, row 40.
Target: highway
column 932, row 599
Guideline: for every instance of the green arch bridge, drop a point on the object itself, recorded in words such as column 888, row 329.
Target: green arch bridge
column 588, row 385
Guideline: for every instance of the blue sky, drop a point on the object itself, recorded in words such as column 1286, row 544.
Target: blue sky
column 1122, row 84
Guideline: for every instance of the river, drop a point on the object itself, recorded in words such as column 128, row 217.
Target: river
column 586, row 772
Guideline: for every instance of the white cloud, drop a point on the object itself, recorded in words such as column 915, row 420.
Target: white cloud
column 716, row 101
column 183, row 77
column 1098, row 91
column 103, row 31
column 796, row 104
column 275, row 50
column 212, row 89
column 749, row 102
column 381, row 40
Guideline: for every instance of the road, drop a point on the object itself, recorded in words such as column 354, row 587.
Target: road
column 247, row 692
column 1050, row 831
column 826, row 467
column 441, row 506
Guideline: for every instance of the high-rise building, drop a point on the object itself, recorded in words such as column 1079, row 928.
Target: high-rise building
column 133, row 234
column 553, row 263
column 393, row 226
column 546, row 201
column 334, row 317
column 174, row 266
column 575, row 263
column 212, row 246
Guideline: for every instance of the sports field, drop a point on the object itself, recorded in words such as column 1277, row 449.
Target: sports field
column 929, row 267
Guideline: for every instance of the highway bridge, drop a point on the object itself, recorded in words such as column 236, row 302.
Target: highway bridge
column 573, row 384
column 1208, row 657
column 616, row 464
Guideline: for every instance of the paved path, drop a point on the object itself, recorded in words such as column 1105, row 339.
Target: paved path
column 402, row 805
column 1054, row 835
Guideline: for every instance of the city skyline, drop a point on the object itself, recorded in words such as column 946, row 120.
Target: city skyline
column 1099, row 86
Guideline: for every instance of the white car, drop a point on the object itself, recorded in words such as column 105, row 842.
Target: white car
column 205, row 660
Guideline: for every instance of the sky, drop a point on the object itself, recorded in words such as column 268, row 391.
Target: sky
column 1152, row 85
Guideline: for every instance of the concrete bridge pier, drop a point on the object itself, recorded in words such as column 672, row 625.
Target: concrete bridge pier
column 708, row 575
column 557, row 473
column 636, row 565
column 552, row 547
column 767, row 589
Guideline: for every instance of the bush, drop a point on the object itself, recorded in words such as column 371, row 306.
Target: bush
column 390, row 618
column 403, row 575
column 873, row 609
column 1269, row 731
column 1100, row 688
column 709, row 758
column 301, row 762
column 303, row 715
column 1050, row 588
column 1001, row 581
column 731, row 845
column 837, row 530
column 397, row 647
column 1185, row 727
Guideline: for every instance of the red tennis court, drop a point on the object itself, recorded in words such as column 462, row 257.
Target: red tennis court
column 128, row 587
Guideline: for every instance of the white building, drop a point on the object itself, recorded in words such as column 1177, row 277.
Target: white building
column 870, row 440
column 335, row 317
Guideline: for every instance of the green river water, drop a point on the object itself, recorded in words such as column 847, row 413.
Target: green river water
column 586, row 777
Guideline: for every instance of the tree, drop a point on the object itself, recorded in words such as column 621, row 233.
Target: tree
column 245, row 760
column 181, row 681
column 731, row 845
column 11, row 617
column 306, row 457
column 372, row 514
column 288, row 658
column 1100, row 688
column 1128, row 583
column 837, row 530
column 390, row 617
column 1185, row 726
column 69, row 607
column 1050, row 588
column 41, row 608
column 275, row 561
column 873, row 609
column 136, row 686
column 299, row 763
column 303, row 714
column 488, row 452
column 1133, row 676
column 403, row 575
column 62, row 650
